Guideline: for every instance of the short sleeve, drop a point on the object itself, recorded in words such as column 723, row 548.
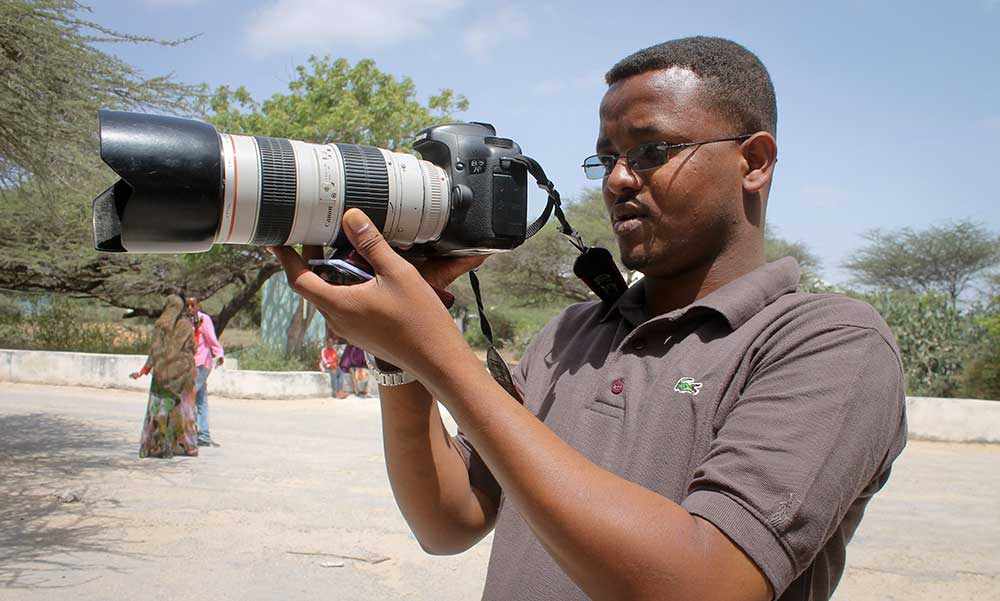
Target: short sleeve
column 820, row 418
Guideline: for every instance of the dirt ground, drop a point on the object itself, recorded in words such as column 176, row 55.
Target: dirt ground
column 296, row 505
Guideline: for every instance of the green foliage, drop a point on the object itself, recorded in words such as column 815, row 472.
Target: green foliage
column 266, row 357
column 981, row 379
column 934, row 338
column 56, row 325
column 54, row 80
column 332, row 101
column 944, row 258
column 540, row 272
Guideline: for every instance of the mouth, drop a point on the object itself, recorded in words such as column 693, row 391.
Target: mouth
column 626, row 217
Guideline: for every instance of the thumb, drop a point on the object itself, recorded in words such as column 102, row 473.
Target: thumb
column 369, row 243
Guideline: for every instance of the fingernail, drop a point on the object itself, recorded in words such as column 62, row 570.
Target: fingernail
column 356, row 221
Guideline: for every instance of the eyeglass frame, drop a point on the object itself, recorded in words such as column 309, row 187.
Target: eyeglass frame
column 664, row 146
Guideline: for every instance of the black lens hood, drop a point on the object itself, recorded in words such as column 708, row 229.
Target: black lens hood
column 170, row 193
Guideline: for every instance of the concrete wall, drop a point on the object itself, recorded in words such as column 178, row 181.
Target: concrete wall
column 111, row 371
column 955, row 420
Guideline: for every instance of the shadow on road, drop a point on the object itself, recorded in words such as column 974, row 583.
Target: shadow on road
column 43, row 538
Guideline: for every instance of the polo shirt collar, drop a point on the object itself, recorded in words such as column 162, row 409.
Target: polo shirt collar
column 736, row 302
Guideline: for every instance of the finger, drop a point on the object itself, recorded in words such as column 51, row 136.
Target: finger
column 301, row 280
column 441, row 272
column 369, row 243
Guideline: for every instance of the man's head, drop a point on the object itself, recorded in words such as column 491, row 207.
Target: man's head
column 193, row 306
column 705, row 200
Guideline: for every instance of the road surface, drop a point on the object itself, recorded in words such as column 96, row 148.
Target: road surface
column 296, row 505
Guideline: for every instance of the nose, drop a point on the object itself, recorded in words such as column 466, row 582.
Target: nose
column 622, row 179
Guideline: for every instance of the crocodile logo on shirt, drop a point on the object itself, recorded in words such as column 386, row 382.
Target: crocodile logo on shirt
column 687, row 385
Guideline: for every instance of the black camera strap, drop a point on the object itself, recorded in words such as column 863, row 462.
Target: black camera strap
column 494, row 362
column 595, row 266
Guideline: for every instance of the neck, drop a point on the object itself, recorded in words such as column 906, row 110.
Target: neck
column 668, row 293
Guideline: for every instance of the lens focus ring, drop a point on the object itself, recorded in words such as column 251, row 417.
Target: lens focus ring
column 366, row 184
column 278, row 185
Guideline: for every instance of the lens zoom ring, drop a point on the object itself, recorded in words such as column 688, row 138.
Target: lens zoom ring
column 366, row 181
column 278, row 186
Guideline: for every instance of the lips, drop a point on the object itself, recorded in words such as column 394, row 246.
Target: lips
column 627, row 216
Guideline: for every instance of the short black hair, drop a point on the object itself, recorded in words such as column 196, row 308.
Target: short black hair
column 736, row 82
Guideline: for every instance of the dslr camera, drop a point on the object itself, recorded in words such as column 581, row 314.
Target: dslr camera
column 185, row 186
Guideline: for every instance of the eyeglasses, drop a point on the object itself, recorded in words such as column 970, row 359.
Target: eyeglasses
column 642, row 157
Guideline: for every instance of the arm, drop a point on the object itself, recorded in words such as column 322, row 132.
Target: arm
column 596, row 525
column 428, row 475
column 208, row 331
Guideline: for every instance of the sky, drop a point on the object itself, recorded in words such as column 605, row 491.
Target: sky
column 888, row 112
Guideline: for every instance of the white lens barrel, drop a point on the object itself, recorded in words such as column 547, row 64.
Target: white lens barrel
column 241, row 192
column 259, row 187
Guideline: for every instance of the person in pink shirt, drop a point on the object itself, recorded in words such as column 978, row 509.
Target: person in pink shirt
column 207, row 351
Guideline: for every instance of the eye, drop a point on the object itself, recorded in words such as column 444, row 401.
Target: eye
column 648, row 156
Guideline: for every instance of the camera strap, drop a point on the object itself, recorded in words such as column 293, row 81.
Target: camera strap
column 595, row 267
column 494, row 362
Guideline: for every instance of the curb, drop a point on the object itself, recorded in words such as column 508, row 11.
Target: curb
column 935, row 419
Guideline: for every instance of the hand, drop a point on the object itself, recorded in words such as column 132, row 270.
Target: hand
column 134, row 375
column 436, row 271
column 396, row 315
column 219, row 361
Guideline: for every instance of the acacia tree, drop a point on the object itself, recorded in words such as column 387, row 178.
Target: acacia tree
column 328, row 101
column 942, row 258
column 53, row 78
column 52, row 81
column 810, row 265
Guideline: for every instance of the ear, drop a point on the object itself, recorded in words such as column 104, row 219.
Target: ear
column 760, row 152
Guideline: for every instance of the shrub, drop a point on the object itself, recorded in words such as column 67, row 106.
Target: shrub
column 981, row 378
column 935, row 340
column 55, row 325
column 266, row 357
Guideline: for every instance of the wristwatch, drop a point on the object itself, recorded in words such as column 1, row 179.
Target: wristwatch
column 387, row 377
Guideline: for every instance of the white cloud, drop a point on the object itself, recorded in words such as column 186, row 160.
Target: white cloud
column 296, row 24
column 501, row 24
column 822, row 196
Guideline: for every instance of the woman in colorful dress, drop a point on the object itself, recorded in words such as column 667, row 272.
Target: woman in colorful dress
column 171, row 425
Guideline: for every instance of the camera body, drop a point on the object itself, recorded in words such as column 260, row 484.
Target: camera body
column 488, row 197
column 185, row 186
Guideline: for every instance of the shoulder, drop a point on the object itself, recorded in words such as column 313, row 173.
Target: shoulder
column 799, row 316
column 579, row 318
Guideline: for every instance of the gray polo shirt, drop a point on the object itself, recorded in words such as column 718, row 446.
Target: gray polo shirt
column 771, row 413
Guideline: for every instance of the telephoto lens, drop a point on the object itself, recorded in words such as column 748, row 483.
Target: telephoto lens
column 184, row 187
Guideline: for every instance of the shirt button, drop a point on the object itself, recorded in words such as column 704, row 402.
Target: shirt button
column 638, row 344
column 618, row 386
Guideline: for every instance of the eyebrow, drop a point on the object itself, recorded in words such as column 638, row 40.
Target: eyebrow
column 645, row 131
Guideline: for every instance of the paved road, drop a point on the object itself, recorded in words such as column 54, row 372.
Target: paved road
column 299, row 487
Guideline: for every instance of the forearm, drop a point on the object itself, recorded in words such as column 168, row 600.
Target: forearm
column 428, row 476
column 614, row 538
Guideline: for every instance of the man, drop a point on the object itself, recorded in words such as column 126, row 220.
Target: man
column 713, row 435
column 207, row 350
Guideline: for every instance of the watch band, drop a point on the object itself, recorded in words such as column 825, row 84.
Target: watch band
column 395, row 377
